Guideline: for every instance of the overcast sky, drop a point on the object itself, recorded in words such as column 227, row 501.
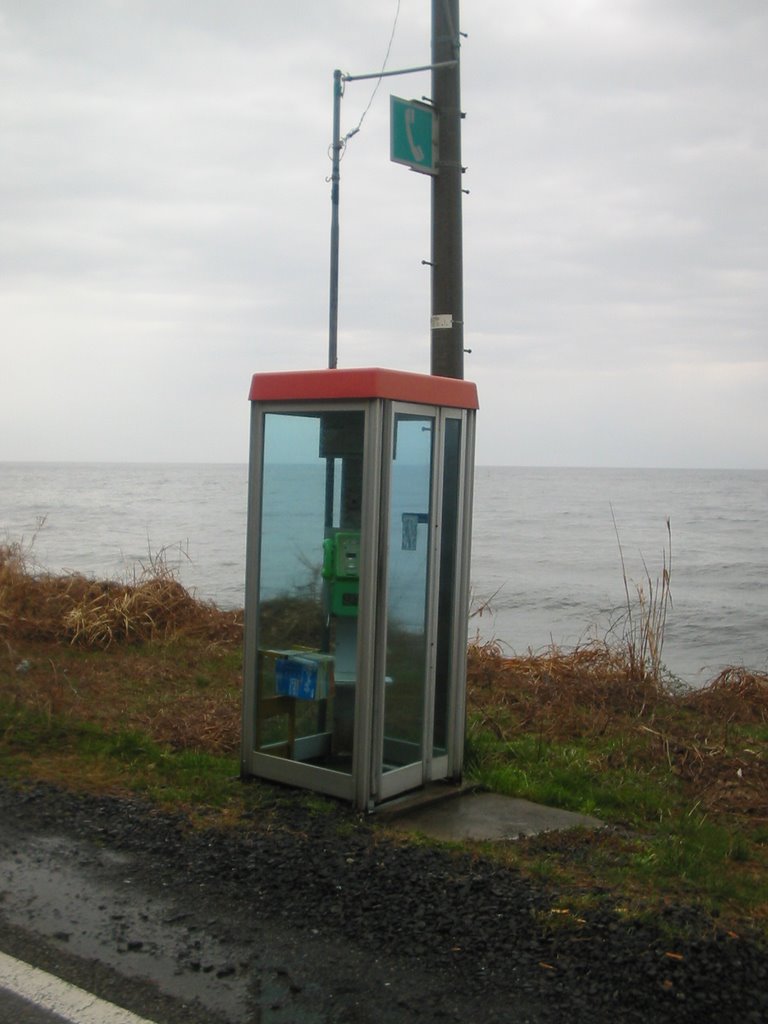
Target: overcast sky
column 165, row 220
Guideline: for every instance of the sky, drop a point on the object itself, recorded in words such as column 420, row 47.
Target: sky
column 165, row 222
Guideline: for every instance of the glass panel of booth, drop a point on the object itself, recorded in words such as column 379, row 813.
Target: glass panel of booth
column 311, row 500
column 408, row 568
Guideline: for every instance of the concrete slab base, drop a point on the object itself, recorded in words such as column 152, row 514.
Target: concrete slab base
column 484, row 816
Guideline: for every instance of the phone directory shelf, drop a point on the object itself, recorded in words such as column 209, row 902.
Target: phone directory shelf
column 358, row 546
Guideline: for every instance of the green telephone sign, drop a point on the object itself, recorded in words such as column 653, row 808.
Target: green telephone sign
column 413, row 134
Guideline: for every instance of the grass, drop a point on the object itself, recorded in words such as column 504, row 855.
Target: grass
column 152, row 707
column 681, row 777
column 577, row 775
column 83, row 755
column 645, row 615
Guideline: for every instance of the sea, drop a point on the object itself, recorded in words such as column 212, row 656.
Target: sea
column 556, row 553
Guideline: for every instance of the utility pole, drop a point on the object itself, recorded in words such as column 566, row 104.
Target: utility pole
column 447, row 331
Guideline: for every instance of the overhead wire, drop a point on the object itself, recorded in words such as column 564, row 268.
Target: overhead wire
column 359, row 124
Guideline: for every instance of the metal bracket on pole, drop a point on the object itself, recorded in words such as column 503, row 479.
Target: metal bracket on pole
column 402, row 71
column 336, row 147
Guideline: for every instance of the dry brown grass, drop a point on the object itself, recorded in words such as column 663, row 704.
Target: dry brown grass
column 593, row 692
column 206, row 723
column 564, row 694
column 184, row 692
column 735, row 695
column 73, row 608
column 145, row 655
column 645, row 614
column 149, row 656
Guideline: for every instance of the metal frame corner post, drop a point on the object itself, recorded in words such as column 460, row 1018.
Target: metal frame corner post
column 252, row 558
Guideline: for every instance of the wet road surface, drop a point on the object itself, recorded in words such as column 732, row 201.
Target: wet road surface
column 76, row 903
column 15, row 1010
column 32, row 995
column 307, row 916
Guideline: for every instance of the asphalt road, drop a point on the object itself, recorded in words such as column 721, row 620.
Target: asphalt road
column 91, row 911
column 35, row 996
column 307, row 916
column 76, row 911
column 15, row 1010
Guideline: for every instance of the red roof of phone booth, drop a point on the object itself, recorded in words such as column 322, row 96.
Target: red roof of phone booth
column 369, row 382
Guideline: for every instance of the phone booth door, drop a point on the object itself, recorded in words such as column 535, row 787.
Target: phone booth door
column 420, row 682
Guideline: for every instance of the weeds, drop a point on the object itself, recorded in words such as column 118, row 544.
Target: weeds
column 144, row 696
column 686, row 772
column 40, row 606
column 646, row 616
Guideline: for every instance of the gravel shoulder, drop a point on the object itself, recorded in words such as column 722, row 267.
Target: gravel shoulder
column 320, row 917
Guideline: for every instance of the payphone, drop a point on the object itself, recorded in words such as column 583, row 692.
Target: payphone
column 357, row 580
column 341, row 571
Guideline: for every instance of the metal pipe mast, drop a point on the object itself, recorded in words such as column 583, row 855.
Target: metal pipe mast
column 333, row 315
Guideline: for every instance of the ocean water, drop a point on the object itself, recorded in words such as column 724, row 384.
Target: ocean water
column 546, row 544
column 546, row 564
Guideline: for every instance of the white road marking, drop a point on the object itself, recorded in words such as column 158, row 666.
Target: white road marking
column 72, row 1003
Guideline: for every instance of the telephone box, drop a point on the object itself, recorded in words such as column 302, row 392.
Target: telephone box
column 357, row 580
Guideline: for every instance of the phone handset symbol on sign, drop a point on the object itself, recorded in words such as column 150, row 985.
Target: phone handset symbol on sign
column 410, row 117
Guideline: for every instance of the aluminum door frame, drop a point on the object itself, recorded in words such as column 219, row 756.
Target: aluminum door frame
column 457, row 716
column 385, row 785
column 355, row 785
